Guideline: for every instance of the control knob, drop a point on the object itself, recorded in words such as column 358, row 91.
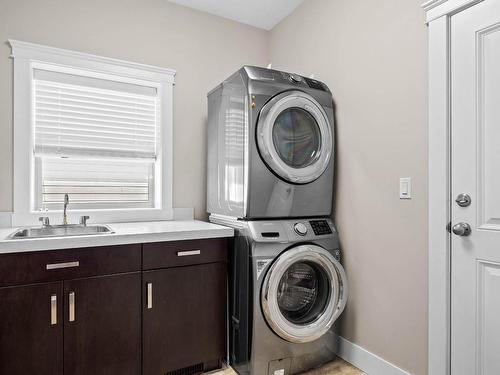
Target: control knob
column 300, row 229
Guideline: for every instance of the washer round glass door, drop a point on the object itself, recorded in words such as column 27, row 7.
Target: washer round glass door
column 294, row 137
column 303, row 293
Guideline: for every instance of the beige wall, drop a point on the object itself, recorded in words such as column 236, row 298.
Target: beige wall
column 372, row 54
column 204, row 50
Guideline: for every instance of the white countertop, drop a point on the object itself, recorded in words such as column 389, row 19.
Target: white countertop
column 124, row 233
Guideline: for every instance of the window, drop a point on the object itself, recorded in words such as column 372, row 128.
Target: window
column 95, row 140
column 99, row 130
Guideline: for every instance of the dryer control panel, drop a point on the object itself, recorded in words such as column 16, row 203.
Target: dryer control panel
column 295, row 230
column 264, row 74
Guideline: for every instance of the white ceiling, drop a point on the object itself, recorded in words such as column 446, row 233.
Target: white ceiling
column 264, row 14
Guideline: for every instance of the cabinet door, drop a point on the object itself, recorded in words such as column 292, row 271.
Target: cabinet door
column 102, row 325
column 184, row 318
column 31, row 335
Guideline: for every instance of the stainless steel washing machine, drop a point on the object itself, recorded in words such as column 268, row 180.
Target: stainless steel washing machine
column 270, row 146
column 287, row 288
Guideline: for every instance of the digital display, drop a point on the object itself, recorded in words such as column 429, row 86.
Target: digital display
column 320, row 227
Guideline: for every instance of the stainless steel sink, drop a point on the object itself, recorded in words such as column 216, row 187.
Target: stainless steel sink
column 60, row 231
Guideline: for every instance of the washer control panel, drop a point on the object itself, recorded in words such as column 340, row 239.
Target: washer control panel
column 294, row 230
column 320, row 227
column 300, row 229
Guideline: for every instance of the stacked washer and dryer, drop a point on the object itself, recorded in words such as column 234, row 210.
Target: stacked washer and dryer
column 270, row 177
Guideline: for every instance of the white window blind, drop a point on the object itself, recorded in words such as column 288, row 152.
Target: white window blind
column 77, row 115
column 95, row 140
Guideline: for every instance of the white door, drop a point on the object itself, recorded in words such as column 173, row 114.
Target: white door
column 475, row 129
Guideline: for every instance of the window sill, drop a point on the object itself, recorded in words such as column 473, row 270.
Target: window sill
column 104, row 216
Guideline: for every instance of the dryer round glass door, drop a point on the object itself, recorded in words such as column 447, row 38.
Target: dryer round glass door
column 303, row 293
column 294, row 137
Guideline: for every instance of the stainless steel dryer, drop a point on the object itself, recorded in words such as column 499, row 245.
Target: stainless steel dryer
column 270, row 146
column 287, row 288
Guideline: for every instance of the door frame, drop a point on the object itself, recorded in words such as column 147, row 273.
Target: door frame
column 438, row 17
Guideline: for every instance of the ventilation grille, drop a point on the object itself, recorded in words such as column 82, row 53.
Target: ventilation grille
column 191, row 370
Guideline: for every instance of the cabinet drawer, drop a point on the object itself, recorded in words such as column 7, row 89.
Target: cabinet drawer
column 53, row 265
column 183, row 253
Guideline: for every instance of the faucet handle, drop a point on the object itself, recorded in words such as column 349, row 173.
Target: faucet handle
column 83, row 220
column 45, row 220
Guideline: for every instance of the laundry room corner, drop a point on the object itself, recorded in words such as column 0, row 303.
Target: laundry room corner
column 373, row 57
column 266, row 187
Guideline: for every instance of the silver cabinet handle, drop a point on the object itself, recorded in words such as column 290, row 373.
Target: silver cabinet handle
column 53, row 309
column 150, row 296
column 188, row 253
column 71, row 306
column 55, row 266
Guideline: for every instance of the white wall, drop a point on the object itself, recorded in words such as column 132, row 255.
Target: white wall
column 204, row 50
column 372, row 54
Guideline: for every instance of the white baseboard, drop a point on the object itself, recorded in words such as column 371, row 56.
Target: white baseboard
column 366, row 361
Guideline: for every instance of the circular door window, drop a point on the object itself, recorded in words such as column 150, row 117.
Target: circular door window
column 303, row 293
column 294, row 137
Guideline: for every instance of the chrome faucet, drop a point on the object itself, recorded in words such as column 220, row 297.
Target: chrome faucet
column 65, row 216
column 83, row 220
column 45, row 221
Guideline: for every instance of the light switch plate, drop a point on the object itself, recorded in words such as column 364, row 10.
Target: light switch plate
column 405, row 188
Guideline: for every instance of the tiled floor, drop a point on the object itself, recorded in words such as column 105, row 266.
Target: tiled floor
column 337, row 367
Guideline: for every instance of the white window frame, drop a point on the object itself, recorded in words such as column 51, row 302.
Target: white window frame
column 29, row 56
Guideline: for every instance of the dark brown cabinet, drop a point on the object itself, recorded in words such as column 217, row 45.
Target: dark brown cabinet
column 128, row 309
column 79, row 314
column 184, row 318
column 99, row 318
column 102, row 325
column 31, row 333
